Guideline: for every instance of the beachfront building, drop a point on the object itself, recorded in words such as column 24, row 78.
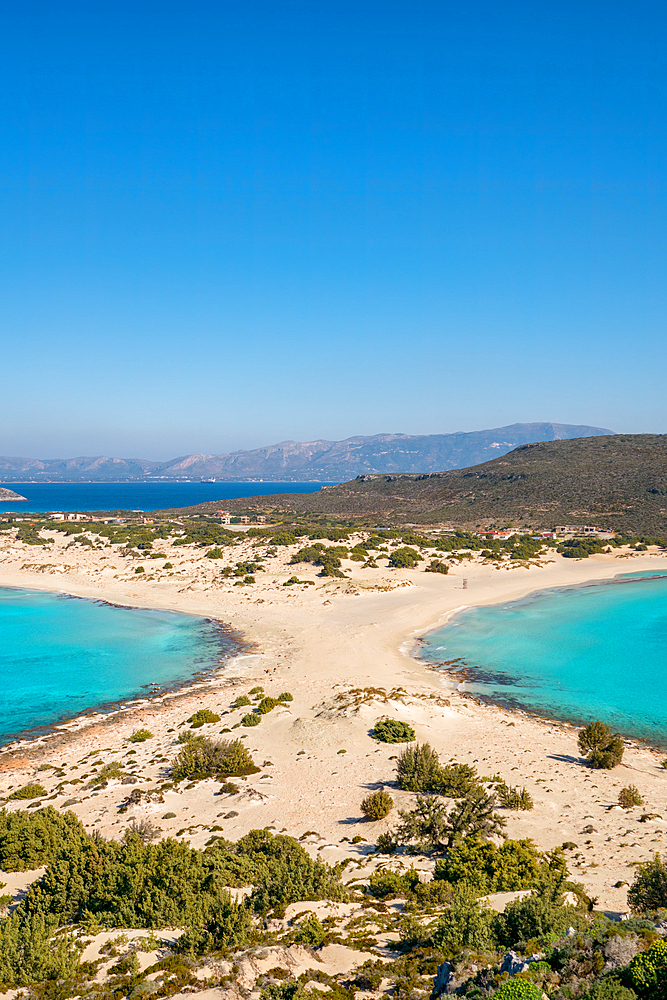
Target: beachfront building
column 578, row 529
column 223, row 516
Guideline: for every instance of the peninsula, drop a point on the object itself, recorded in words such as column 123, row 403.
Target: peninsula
column 331, row 615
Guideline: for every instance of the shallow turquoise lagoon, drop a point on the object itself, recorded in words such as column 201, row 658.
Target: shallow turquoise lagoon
column 60, row 656
column 578, row 653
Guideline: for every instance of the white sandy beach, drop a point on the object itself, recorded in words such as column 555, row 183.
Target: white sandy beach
column 317, row 760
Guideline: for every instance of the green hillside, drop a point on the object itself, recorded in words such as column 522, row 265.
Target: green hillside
column 617, row 481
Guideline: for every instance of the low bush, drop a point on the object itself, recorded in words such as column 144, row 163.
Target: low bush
column 437, row 566
column 430, row 827
column 214, row 553
column 251, row 720
column 32, row 791
column 417, row 768
column 140, row 569
column 30, row 839
column 141, row 735
column 514, row 865
column 629, row 797
column 387, row 884
column 600, row 746
column 535, row 917
column 283, row 538
column 648, row 972
column 203, row 717
column 308, row 554
column 310, row 932
column 513, row 798
column 377, row 806
column 518, row 989
column 609, row 988
column 242, row 701
column 404, row 558
column 393, row 731
column 202, row 758
column 649, row 888
column 285, row 696
column 144, row 829
column 465, row 924
column 267, row 705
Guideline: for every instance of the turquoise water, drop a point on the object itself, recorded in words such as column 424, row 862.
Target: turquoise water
column 578, row 653
column 60, row 656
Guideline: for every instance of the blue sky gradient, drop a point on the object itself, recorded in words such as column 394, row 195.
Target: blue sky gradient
column 226, row 224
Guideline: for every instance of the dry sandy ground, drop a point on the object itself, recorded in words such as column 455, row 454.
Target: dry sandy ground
column 317, row 759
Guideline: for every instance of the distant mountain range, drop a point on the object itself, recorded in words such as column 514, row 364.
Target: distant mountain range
column 315, row 461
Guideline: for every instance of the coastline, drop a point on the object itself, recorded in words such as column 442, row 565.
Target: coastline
column 462, row 675
column 323, row 643
column 153, row 692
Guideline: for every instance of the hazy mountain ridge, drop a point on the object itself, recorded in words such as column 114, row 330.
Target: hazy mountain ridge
column 617, row 482
column 311, row 460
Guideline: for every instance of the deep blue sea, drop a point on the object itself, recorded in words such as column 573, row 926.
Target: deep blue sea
column 577, row 653
column 43, row 497
column 60, row 656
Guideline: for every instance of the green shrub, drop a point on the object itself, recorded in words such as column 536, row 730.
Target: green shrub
column 513, row 798
column 141, row 735
column 488, row 868
column 600, row 746
column 283, row 538
column 465, row 924
column 417, row 768
column 378, row 805
column 393, row 731
column 251, row 720
column 536, row 917
column 285, row 696
column 455, row 780
column 203, row 717
column 404, row 558
column 140, row 569
column 258, row 691
column 229, row 925
column 648, row 972
column 649, row 889
column 242, row 701
column 214, row 553
column 629, row 797
column 202, row 758
column 267, row 705
column 284, row 872
column 31, row 953
column 387, row 884
column 32, row 791
column 437, row 566
column 32, row 838
column 311, row 932
column 129, row 965
column 609, row 988
column 308, row 554
column 167, row 565
column 429, row 827
column 518, row 989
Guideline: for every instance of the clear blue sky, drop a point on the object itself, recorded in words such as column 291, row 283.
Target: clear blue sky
column 227, row 224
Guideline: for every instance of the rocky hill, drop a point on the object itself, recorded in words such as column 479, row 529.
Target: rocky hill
column 7, row 495
column 316, row 461
column 617, row 482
